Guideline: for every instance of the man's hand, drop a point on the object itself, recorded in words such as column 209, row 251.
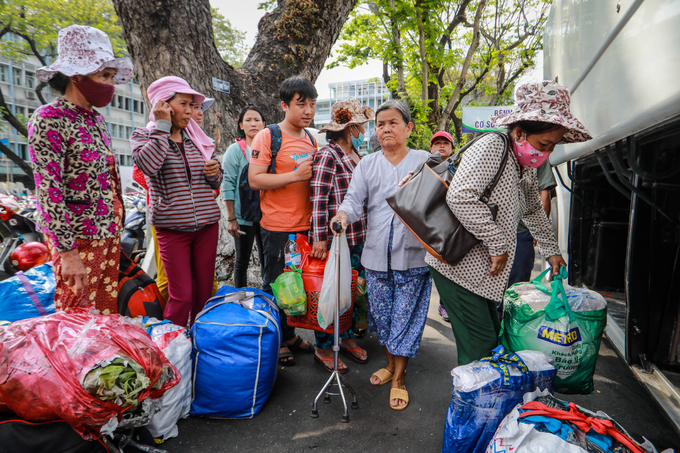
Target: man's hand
column 232, row 228
column 498, row 264
column 73, row 272
column 556, row 263
column 406, row 178
column 304, row 171
column 340, row 217
column 162, row 111
column 211, row 168
column 320, row 250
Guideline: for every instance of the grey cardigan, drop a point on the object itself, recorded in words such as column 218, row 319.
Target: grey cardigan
column 373, row 180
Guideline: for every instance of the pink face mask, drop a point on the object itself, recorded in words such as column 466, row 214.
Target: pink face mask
column 527, row 155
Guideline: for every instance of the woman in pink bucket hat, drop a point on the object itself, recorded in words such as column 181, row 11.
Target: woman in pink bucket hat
column 76, row 174
column 178, row 160
column 472, row 289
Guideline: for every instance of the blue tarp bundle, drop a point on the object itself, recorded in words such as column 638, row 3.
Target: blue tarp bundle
column 236, row 347
column 28, row 294
column 487, row 390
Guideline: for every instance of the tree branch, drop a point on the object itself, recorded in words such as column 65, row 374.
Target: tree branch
column 10, row 118
column 25, row 167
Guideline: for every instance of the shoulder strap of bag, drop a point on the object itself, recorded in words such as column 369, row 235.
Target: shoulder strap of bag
column 275, row 132
column 311, row 138
column 504, row 160
column 242, row 144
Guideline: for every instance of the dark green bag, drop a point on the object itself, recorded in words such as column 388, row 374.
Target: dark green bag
column 570, row 339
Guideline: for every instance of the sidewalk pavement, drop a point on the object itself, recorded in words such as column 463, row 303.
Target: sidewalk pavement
column 284, row 425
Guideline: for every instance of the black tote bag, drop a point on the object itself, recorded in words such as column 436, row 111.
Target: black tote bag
column 421, row 204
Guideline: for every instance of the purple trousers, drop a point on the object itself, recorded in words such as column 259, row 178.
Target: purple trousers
column 189, row 260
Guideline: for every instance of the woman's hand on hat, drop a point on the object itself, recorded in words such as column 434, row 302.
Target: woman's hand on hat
column 211, row 168
column 498, row 264
column 162, row 111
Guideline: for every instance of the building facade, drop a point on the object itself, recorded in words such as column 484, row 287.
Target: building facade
column 371, row 93
column 17, row 82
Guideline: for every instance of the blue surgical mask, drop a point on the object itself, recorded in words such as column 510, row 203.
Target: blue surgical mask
column 356, row 142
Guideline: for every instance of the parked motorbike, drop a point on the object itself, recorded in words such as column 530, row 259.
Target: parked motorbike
column 133, row 235
column 15, row 230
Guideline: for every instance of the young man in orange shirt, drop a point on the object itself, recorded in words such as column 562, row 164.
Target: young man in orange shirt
column 285, row 194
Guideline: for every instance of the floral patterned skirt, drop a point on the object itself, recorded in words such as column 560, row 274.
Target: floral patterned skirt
column 101, row 258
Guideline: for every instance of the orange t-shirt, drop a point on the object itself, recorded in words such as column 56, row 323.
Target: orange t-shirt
column 288, row 208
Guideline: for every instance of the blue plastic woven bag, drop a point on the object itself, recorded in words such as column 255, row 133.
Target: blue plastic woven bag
column 28, row 294
column 236, row 340
column 485, row 391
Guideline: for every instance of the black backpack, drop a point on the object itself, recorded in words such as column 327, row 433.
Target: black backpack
column 250, row 199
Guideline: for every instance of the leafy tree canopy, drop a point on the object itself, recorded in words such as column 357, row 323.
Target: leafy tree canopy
column 229, row 40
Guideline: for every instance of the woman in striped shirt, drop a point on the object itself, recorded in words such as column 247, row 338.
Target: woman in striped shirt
column 179, row 162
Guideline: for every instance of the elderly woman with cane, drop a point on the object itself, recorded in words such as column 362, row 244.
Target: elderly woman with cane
column 178, row 160
column 77, row 182
column 398, row 280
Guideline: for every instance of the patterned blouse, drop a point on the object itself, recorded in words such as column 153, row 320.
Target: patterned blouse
column 72, row 166
column 517, row 198
column 332, row 173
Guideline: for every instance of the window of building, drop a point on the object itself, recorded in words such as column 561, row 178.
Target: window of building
column 23, row 151
column 30, row 80
column 16, row 72
column 121, row 102
column 114, row 130
column 19, row 111
column 128, row 107
column 4, row 73
column 141, row 107
column 128, row 129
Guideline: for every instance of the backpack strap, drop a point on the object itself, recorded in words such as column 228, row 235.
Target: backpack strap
column 311, row 138
column 504, row 160
column 275, row 132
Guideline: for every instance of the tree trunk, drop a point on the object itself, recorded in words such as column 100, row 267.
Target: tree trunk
column 175, row 37
column 293, row 39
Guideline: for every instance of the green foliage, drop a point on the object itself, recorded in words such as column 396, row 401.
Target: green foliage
column 509, row 33
column 39, row 22
column 267, row 5
column 228, row 40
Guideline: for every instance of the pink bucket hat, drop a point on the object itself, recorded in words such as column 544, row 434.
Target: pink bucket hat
column 85, row 50
column 547, row 102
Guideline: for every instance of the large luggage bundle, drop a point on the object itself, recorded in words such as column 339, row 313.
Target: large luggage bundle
column 176, row 402
column 237, row 338
column 96, row 372
column 27, row 294
column 564, row 323
column 485, row 391
column 542, row 423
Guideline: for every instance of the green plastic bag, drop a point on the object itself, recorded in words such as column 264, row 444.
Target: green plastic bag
column 290, row 293
column 571, row 339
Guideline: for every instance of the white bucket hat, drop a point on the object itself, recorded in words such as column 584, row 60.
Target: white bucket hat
column 85, row 50
column 547, row 102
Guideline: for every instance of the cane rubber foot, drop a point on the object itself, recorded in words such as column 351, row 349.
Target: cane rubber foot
column 327, row 400
column 355, row 405
column 345, row 418
column 314, row 414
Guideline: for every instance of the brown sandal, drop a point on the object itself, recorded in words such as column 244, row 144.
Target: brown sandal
column 384, row 375
column 398, row 394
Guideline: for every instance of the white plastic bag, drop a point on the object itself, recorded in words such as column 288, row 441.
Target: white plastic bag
column 326, row 311
column 176, row 402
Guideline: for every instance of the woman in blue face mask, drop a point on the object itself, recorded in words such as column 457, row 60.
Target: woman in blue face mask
column 332, row 173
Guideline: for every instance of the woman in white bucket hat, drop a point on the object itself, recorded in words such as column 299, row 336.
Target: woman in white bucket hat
column 76, row 174
column 471, row 290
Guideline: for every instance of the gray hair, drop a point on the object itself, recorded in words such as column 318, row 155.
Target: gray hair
column 396, row 105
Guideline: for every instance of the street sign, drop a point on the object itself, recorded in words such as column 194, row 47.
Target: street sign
column 478, row 119
column 221, row 85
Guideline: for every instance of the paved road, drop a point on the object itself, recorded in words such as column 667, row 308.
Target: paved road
column 284, row 425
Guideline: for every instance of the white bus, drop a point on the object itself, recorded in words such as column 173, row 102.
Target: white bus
column 618, row 195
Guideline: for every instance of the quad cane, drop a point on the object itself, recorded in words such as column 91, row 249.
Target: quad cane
column 340, row 381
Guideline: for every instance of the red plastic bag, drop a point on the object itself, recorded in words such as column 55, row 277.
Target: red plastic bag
column 308, row 265
column 44, row 360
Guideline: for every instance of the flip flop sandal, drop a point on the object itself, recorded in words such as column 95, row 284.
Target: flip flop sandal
column 323, row 363
column 296, row 346
column 384, row 375
column 350, row 353
column 398, row 394
column 285, row 355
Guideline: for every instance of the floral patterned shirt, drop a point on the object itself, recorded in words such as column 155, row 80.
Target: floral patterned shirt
column 69, row 147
